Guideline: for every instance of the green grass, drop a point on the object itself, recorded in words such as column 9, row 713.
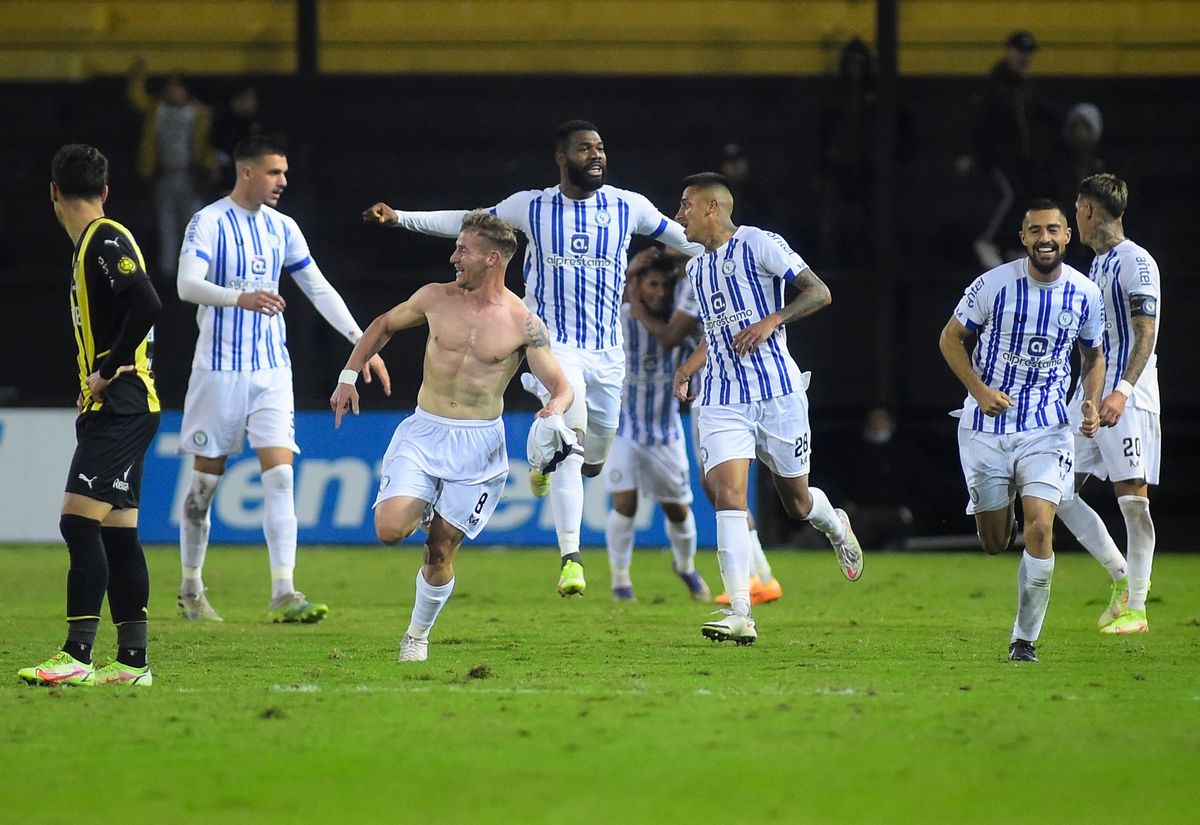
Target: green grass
column 883, row 701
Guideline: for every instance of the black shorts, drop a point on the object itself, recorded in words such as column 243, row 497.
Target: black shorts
column 109, row 452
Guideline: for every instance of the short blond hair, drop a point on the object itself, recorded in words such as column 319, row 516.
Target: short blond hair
column 495, row 230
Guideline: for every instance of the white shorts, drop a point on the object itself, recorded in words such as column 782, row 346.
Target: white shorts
column 222, row 407
column 597, row 377
column 776, row 431
column 660, row 470
column 458, row 466
column 1130, row 450
column 1038, row 463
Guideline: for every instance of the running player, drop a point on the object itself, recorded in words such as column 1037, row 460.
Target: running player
column 751, row 400
column 113, row 307
column 578, row 233
column 447, row 463
column 648, row 453
column 241, row 383
column 1014, row 433
column 1128, row 450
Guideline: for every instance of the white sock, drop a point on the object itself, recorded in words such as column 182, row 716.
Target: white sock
column 618, row 538
column 279, row 527
column 566, row 500
column 1088, row 528
column 1033, row 596
column 733, row 554
column 824, row 518
column 1140, row 529
column 683, row 542
column 193, row 530
column 428, row 604
column 758, row 559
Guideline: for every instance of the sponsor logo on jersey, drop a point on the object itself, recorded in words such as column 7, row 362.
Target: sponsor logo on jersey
column 87, row 480
column 579, row 243
column 103, row 264
column 579, row 261
column 125, row 265
column 113, row 242
column 1038, row 346
column 726, row 320
column 122, row 483
column 258, row 265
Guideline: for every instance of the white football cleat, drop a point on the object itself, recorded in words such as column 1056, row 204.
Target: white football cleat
column 413, row 649
column 733, row 628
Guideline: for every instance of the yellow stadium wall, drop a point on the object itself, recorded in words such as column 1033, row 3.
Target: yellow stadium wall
column 58, row 39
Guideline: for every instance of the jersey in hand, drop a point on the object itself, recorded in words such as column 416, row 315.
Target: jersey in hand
column 246, row 251
column 575, row 261
column 1027, row 330
column 738, row 284
column 107, row 262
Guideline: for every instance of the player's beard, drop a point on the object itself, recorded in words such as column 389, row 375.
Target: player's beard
column 1047, row 268
column 583, row 180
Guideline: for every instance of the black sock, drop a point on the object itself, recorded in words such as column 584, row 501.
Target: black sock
column 576, row 557
column 128, row 592
column 87, row 579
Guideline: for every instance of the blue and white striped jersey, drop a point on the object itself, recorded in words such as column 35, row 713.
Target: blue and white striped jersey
column 1026, row 332
column 245, row 251
column 576, row 258
column 649, row 411
column 739, row 284
column 1124, row 271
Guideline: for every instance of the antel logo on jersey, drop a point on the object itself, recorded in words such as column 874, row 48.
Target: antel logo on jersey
column 1066, row 319
column 258, row 265
column 579, row 243
column 1038, row 346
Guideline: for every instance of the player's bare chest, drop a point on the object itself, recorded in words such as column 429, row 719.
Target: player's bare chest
column 486, row 336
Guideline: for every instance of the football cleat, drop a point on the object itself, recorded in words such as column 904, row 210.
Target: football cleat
column 413, row 649
column 1118, row 599
column 623, row 594
column 195, row 608
column 539, row 483
column 759, row 593
column 849, row 551
column 115, row 673
column 696, row 585
column 732, row 628
column 1129, row 621
column 294, row 607
column 1022, row 651
column 60, row 669
column 570, row 580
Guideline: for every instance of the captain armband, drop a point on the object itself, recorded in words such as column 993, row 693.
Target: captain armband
column 1145, row 306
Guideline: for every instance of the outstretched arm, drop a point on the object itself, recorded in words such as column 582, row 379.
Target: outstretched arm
column 446, row 223
column 411, row 313
column 814, row 295
column 545, row 367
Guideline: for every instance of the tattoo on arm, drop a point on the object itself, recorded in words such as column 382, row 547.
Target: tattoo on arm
column 1143, row 345
column 536, row 334
column 813, row 295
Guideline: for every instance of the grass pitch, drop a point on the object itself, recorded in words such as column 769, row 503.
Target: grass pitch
column 888, row 700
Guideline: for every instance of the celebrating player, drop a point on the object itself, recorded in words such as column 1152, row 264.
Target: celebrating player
column 578, row 234
column 1014, row 432
column 752, row 401
column 447, row 463
column 1128, row 449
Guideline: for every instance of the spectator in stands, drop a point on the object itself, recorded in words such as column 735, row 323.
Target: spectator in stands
column 1012, row 141
column 237, row 120
column 175, row 155
column 753, row 205
column 1081, row 131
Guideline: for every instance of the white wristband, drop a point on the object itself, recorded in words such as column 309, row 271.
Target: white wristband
column 1125, row 388
column 348, row 377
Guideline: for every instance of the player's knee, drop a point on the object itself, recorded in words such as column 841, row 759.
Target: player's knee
column 592, row 470
column 1039, row 532
column 439, row 552
column 393, row 532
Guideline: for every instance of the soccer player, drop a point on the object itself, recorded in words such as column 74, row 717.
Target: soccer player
column 682, row 327
column 447, row 463
column 578, row 233
column 648, row 452
column 241, row 383
column 1127, row 450
column 113, row 307
column 751, row 400
column 1014, row 434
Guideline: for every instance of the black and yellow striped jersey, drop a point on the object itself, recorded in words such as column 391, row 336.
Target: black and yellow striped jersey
column 107, row 262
